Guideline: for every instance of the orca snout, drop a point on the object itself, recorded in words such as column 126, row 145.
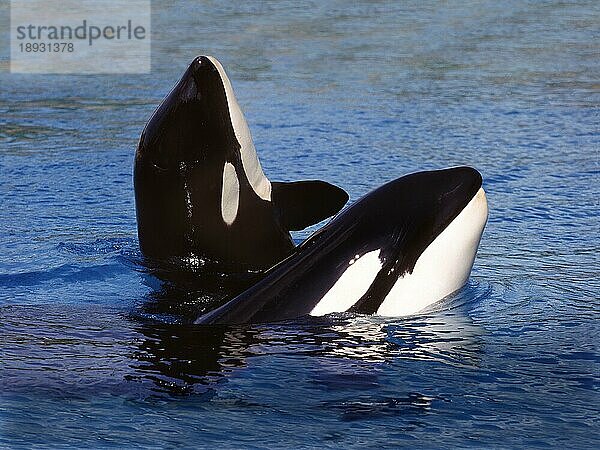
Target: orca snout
column 201, row 63
column 460, row 179
column 188, row 88
column 198, row 63
column 453, row 188
column 199, row 78
column 200, row 75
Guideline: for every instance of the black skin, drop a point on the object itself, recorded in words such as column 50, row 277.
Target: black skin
column 178, row 183
column 401, row 217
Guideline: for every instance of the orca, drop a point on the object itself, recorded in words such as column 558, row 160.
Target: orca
column 200, row 190
column 397, row 250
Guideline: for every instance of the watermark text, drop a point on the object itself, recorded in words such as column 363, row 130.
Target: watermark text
column 80, row 36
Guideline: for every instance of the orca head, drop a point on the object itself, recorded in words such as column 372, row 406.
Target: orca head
column 200, row 120
column 413, row 241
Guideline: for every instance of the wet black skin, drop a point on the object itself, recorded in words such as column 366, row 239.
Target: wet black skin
column 178, row 183
column 402, row 218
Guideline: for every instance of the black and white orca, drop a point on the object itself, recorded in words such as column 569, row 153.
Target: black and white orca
column 200, row 190
column 394, row 252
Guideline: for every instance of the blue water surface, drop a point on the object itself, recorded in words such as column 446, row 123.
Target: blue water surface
column 95, row 352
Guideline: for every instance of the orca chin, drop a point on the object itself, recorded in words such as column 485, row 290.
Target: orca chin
column 396, row 251
column 200, row 189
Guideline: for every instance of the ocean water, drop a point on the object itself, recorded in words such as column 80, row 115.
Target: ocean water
column 96, row 352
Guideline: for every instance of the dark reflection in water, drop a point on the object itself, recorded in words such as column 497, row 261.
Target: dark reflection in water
column 183, row 290
column 181, row 358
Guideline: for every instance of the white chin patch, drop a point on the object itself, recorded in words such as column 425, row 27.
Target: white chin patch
column 256, row 177
column 444, row 266
column 230, row 194
column 351, row 286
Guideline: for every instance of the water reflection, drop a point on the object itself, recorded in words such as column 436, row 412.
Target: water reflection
column 180, row 358
column 180, row 296
column 186, row 359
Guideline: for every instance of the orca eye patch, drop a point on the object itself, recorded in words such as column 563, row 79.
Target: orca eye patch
column 230, row 194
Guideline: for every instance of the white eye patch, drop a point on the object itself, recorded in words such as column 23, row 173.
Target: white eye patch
column 230, row 194
column 351, row 286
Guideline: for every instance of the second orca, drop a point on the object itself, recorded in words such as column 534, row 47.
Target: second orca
column 394, row 252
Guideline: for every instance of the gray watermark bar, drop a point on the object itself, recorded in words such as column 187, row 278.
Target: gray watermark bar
column 80, row 36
